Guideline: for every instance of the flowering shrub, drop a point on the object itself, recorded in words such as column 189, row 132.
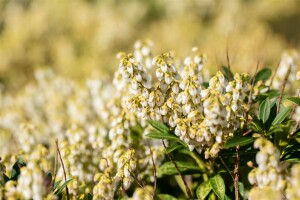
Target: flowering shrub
column 164, row 129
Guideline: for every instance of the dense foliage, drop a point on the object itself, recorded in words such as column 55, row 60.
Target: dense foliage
column 164, row 129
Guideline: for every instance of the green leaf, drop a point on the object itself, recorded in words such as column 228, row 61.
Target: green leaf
column 60, row 189
column 203, row 190
column 272, row 116
column 165, row 197
column 205, row 84
column 168, row 168
column 263, row 75
column 159, row 126
column 161, row 135
column 218, row 186
column 264, row 110
column 15, row 171
column 56, row 185
column 257, row 125
column 227, row 73
column 242, row 189
column 238, row 140
column 173, row 147
column 297, row 139
column 283, row 113
column 89, row 196
column 295, row 100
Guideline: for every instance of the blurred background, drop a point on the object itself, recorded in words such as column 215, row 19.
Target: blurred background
column 80, row 38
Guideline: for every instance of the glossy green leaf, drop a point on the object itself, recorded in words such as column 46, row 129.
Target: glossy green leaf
column 263, row 75
column 295, row 100
column 205, row 84
column 218, row 186
column 15, row 171
column 89, row 196
column 257, row 125
column 161, row 135
column 242, row 189
column 264, row 110
column 272, row 116
column 238, row 140
column 165, row 197
column 159, row 126
column 283, row 113
column 173, row 147
column 56, row 184
column 297, row 139
column 203, row 190
column 227, row 73
column 60, row 189
column 168, row 168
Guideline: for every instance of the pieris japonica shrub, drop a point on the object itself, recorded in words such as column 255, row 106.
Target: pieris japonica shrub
column 164, row 128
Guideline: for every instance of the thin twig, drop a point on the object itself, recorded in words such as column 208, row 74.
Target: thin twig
column 63, row 166
column 55, row 168
column 250, row 100
column 283, row 87
column 154, row 170
column 136, row 180
column 247, row 132
column 185, row 184
column 227, row 168
column 227, row 56
column 295, row 106
column 275, row 72
column 295, row 128
column 236, row 173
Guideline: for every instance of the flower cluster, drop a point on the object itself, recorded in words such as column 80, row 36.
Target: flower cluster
column 270, row 171
column 145, row 193
column 202, row 118
column 101, row 129
column 126, row 165
column 33, row 182
column 292, row 191
column 104, row 188
column 288, row 59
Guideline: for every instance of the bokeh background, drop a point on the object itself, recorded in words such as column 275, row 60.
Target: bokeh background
column 80, row 38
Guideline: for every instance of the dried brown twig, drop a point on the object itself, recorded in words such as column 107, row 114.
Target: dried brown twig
column 227, row 168
column 275, row 72
column 63, row 166
column 236, row 173
column 154, row 170
column 55, row 168
column 283, row 87
column 250, row 100
column 185, row 184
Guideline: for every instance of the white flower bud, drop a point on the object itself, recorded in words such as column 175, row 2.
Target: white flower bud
column 192, row 91
column 164, row 68
column 168, row 78
column 139, row 77
column 130, row 69
column 204, row 93
column 159, row 74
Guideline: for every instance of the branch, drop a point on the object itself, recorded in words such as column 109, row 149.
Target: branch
column 227, row 168
column 55, row 167
column 283, row 87
column 236, row 173
column 64, row 170
column 275, row 72
column 185, row 184
column 250, row 100
column 227, row 56
column 136, row 180
column 154, row 170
